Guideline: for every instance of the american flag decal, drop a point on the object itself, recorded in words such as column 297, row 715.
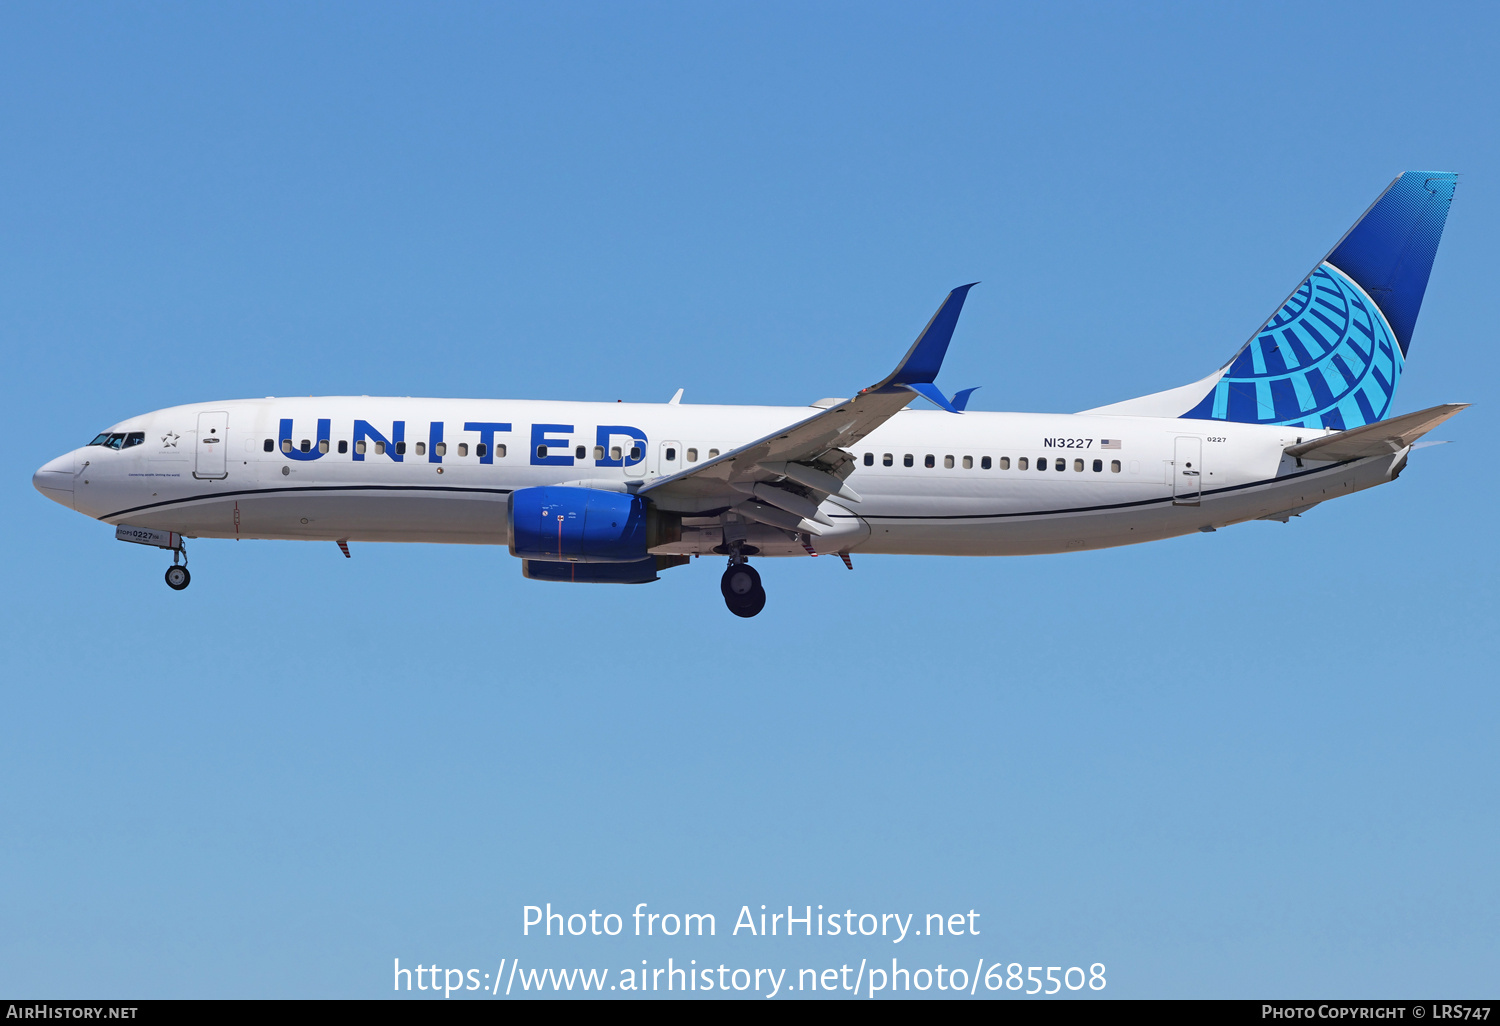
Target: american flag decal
column 1109, row 443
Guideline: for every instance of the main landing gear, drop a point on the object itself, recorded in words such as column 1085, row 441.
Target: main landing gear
column 741, row 587
column 178, row 576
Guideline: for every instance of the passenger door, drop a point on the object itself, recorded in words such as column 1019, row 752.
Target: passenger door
column 1187, row 472
column 213, row 440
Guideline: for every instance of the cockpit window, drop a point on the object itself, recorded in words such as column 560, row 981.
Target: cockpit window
column 117, row 439
column 101, row 438
column 134, row 438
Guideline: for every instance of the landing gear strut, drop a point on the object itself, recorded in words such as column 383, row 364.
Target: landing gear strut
column 741, row 587
column 178, row 576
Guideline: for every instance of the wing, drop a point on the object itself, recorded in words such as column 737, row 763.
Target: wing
column 780, row 479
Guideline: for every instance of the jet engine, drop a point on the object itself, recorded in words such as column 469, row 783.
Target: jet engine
column 586, row 525
column 642, row 572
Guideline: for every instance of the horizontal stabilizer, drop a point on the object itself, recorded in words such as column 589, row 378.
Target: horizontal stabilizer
column 1379, row 439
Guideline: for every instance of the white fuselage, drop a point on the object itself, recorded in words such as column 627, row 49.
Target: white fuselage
column 931, row 482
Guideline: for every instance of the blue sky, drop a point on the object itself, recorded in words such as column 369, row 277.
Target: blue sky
column 1259, row 762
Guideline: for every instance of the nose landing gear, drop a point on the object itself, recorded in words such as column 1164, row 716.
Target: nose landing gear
column 743, row 593
column 178, row 576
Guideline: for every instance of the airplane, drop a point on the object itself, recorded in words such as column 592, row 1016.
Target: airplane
column 621, row 492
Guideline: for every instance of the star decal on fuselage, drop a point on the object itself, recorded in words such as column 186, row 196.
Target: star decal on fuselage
column 169, row 440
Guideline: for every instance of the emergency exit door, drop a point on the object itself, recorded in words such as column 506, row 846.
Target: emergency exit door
column 1187, row 472
column 213, row 440
column 670, row 460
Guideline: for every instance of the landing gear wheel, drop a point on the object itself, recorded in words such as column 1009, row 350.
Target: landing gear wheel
column 743, row 593
column 178, row 577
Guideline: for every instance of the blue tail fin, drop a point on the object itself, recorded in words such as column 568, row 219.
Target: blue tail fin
column 1331, row 357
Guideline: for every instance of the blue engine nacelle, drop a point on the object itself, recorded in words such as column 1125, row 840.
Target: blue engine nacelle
column 586, row 525
column 643, row 572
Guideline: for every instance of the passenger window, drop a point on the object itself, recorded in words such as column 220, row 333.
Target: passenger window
column 929, row 462
column 598, row 452
column 1098, row 466
column 671, row 454
column 541, row 452
column 440, row 449
column 500, row 452
column 869, row 459
column 286, row 445
column 1041, row 464
column 907, row 460
column 1004, row 463
column 968, row 463
column 1060, row 464
column 421, row 448
column 888, row 460
column 270, row 446
column 581, row 452
column 1022, row 464
column 359, row 447
column 1077, row 466
column 948, row 462
column 635, row 453
column 463, row 448
column 614, row 453
column 480, row 449
column 306, row 445
column 379, row 448
column 134, row 438
column 400, row 448
column 343, row 445
column 1114, row 466
column 692, row 455
column 985, row 464
column 712, row 453
column 322, row 445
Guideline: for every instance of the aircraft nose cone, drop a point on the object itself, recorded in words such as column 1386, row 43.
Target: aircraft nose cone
column 55, row 480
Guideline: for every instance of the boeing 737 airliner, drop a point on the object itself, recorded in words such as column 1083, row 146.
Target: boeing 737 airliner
column 618, row 492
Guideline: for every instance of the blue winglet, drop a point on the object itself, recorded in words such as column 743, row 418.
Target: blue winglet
column 961, row 400
column 925, row 357
column 929, row 391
